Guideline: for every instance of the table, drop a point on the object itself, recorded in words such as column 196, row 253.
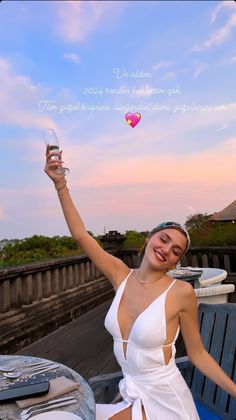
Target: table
column 199, row 277
column 211, row 276
column 206, row 282
column 188, row 274
column 86, row 402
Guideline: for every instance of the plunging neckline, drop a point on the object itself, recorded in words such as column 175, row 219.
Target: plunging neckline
column 139, row 316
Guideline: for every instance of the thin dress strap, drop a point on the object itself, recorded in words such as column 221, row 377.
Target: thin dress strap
column 173, row 342
column 177, row 332
column 123, row 282
column 168, row 288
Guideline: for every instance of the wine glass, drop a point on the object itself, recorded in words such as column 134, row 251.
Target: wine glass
column 51, row 140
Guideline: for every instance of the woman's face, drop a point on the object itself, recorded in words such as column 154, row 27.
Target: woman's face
column 165, row 248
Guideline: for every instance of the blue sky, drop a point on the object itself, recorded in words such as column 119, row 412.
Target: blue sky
column 179, row 160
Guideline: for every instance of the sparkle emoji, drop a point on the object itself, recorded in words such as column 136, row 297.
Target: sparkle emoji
column 133, row 119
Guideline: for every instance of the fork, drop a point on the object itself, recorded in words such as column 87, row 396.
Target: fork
column 51, row 407
column 6, row 369
column 5, row 381
column 29, row 372
column 11, row 372
column 46, row 404
column 25, row 365
column 54, row 366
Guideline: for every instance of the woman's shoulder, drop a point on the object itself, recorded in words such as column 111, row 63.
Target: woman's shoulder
column 123, row 273
column 183, row 288
column 184, row 294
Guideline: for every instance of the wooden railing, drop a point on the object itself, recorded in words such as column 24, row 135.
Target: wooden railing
column 216, row 257
column 36, row 299
column 25, row 285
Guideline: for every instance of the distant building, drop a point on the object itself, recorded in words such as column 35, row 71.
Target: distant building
column 228, row 214
column 112, row 240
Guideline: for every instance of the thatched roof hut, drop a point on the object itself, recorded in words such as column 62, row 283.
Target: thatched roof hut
column 228, row 214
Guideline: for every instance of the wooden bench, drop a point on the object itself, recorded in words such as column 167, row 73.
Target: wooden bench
column 217, row 323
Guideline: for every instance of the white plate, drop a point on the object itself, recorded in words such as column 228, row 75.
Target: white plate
column 57, row 415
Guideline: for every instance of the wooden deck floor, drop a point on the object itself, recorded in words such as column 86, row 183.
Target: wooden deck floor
column 84, row 345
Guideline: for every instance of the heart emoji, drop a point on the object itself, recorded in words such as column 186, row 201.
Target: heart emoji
column 133, row 119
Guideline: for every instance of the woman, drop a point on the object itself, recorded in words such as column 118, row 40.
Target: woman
column 146, row 315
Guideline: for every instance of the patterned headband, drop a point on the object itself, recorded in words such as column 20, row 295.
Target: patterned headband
column 174, row 225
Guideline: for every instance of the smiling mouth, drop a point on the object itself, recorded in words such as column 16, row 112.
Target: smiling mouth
column 159, row 256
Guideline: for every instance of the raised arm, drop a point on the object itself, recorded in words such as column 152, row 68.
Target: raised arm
column 194, row 346
column 113, row 268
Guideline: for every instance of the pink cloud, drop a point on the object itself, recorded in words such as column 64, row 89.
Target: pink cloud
column 163, row 64
column 222, row 34
column 199, row 69
column 19, row 98
column 73, row 57
column 78, row 20
column 221, row 6
column 121, row 180
column 225, row 32
column 3, row 214
column 131, row 192
column 169, row 76
column 216, row 166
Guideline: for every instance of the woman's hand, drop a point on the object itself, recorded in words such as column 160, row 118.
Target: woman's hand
column 52, row 165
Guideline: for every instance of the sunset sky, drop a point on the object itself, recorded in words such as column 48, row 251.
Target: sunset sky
column 79, row 67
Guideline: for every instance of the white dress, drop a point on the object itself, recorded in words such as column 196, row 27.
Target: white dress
column 160, row 388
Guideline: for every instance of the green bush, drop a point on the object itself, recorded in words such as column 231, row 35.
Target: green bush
column 42, row 248
column 134, row 239
column 217, row 234
column 38, row 248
